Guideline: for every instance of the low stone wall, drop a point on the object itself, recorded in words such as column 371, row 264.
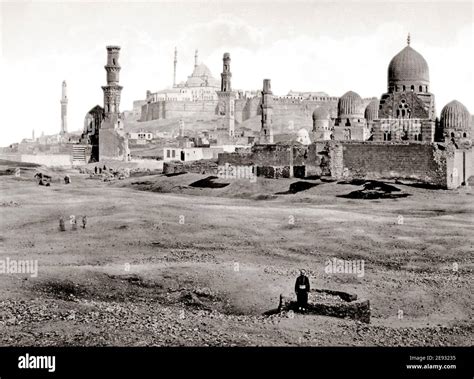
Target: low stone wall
column 42, row 159
column 199, row 167
column 346, row 305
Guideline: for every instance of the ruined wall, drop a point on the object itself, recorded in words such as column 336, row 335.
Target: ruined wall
column 426, row 163
column 199, row 167
column 112, row 145
column 267, row 155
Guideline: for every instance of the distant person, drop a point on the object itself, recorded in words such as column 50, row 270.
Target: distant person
column 100, row 170
column 105, row 168
column 302, row 289
column 95, row 169
column 84, row 222
column 62, row 226
column 74, row 223
column 67, row 179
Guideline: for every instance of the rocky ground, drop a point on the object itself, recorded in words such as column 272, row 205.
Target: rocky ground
column 166, row 263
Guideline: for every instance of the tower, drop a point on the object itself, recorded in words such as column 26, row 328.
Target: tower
column 113, row 141
column 266, row 132
column 227, row 97
column 226, row 75
column 175, row 64
column 196, row 58
column 112, row 90
column 63, row 109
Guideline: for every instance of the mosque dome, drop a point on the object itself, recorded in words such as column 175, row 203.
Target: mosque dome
column 372, row 110
column 408, row 68
column 321, row 113
column 349, row 105
column 455, row 115
column 202, row 77
column 201, row 70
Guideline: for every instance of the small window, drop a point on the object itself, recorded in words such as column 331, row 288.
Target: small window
column 464, row 135
column 168, row 153
column 421, row 88
column 404, row 88
column 173, row 153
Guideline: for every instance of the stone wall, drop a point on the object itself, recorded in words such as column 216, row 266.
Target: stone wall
column 244, row 109
column 199, row 167
column 426, row 163
column 50, row 160
column 112, row 145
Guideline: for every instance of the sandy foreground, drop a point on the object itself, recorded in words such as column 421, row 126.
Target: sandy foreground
column 164, row 263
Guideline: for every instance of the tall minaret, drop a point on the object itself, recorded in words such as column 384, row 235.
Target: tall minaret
column 227, row 97
column 112, row 90
column 63, row 109
column 226, row 74
column 266, row 132
column 175, row 64
column 196, row 58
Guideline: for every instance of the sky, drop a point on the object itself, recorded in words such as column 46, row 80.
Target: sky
column 324, row 46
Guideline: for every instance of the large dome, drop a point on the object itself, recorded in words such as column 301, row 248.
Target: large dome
column 372, row 110
column 455, row 116
column 321, row 113
column 408, row 68
column 202, row 77
column 349, row 105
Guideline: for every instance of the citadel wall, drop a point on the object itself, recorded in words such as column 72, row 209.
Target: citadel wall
column 244, row 108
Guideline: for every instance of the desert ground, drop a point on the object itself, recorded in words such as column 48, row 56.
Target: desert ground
column 183, row 261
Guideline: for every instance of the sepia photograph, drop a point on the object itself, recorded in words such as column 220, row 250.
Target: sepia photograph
column 237, row 179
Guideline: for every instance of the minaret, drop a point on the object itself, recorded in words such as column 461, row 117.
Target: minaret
column 266, row 132
column 226, row 96
column 196, row 58
column 33, row 135
column 63, row 109
column 112, row 90
column 175, row 64
column 226, row 75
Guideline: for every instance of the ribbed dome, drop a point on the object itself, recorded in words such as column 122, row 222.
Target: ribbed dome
column 321, row 113
column 349, row 105
column 455, row 116
column 372, row 110
column 408, row 67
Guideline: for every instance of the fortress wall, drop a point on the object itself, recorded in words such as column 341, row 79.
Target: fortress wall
column 284, row 109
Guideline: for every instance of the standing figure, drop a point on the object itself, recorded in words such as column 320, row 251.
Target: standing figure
column 95, row 169
column 84, row 222
column 302, row 289
column 62, row 227
column 73, row 222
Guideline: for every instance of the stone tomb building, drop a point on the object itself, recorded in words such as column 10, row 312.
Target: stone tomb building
column 398, row 137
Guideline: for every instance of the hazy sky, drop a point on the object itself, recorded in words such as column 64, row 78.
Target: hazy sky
column 312, row 46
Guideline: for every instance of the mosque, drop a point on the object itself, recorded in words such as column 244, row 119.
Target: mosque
column 406, row 112
column 396, row 137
